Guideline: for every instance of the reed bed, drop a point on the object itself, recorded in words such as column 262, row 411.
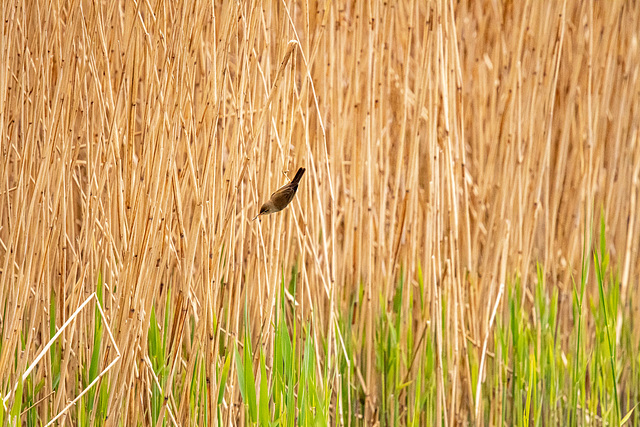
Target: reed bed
column 463, row 248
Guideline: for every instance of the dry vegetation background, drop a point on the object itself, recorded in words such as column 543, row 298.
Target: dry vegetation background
column 467, row 140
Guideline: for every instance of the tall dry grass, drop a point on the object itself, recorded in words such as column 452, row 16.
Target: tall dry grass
column 467, row 140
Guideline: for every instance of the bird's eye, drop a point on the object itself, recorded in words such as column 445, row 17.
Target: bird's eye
column 263, row 210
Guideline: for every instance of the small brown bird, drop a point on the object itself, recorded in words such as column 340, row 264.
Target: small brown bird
column 282, row 197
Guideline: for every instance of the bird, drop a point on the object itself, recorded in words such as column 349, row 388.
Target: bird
column 281, row 197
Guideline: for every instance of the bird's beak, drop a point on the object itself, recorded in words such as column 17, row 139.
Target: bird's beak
column 255, row 217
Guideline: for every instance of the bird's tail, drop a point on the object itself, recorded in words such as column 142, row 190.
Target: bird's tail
column 296, row 179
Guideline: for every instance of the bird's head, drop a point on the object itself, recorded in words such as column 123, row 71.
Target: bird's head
column 266, row 209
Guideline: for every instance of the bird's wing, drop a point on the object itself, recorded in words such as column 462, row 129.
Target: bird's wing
column 281, row 192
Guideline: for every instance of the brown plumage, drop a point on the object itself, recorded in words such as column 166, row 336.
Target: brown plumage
column 281, row 197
